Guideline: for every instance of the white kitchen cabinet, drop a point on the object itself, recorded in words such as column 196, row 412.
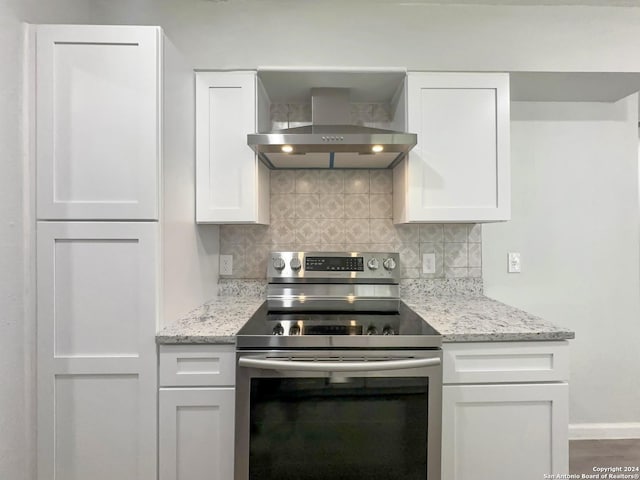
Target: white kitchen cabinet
column 232, row 184
column 96, row 325
column 505, row 410
column 98, row 122
column 459, row 170
column 197, row 405
column 115, row 143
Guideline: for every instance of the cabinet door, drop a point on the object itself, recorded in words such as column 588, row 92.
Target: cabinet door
column 97, row 122
column 96, row 382
column 196, row 433
column 459, row 170
column 504, row 432
column 232, row 184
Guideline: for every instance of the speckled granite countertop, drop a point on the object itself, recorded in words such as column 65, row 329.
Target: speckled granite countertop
column 459, row 318
column 217, row 321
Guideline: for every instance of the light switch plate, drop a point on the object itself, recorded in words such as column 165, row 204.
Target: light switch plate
column 513, row 262
column 428, row 263
column 226, row 264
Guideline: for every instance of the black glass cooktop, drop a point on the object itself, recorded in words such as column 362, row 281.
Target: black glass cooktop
column 335, row 329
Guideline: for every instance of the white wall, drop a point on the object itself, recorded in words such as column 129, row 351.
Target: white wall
column 249, row 33
column 16, row 399
column 575, row 222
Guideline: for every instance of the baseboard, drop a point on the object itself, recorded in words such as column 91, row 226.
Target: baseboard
column 604, row 431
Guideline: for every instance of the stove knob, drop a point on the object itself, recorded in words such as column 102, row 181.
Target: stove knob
column 278, row 330
column 294, row 330
column 373, row 264
column 278, row 263
column 389, row 263
column 372, row 330
column 295, row 264
column 387, row 330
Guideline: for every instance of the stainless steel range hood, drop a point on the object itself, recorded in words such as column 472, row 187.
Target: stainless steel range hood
column 331, row 141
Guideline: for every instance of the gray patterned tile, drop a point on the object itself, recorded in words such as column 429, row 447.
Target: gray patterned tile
column 361, row 113
column 455, row 232
column 357, row 231
column 382, row 231
column 321, row 247
column 381, row 206
column 409, row 233
column 307, row 181
column 256, row 262
column 356, row 206
column 410, row 272
column 331, row 231
column 283, row 181
column 331, row 206
column 283, row 231
column 307, row 206
column 475, row 254
column 474, row 233
column 456, row 272
column 381, row 113
column 235, row 234
column 330, row 181
column 257, row 235
column 475, row 272
column 381, row 181
column 283, row 206
column 456, row 255
column 433, row 232
column 307, row 231
column 279, row 112
column 356, row 181
column 299, row 113
column 409, row 255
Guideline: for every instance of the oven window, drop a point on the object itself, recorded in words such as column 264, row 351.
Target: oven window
column 365, row 428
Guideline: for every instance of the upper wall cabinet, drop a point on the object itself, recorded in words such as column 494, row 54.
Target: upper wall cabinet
column 98, row 122
column 459, row 170
column 232, row 185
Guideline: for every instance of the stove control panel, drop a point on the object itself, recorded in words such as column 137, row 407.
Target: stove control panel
column 300, row 328
column 374, row 267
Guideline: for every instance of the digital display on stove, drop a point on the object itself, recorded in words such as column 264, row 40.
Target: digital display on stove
column 333, row 329
column 334, row 264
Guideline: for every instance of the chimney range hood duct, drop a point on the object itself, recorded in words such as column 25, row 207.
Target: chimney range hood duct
column 331, row 141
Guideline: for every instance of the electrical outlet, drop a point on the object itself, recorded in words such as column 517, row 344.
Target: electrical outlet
column 513, row 262
column 226, row 264
column 428, row 263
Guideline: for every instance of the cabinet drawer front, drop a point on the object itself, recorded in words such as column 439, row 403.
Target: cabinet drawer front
column 505, row 362
column 197, row 365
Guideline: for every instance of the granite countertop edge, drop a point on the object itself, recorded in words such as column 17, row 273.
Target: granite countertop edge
column 459, row 318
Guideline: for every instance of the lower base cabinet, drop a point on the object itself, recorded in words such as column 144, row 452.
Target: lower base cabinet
column 196, row 412
column 502, row 432
column 505, row 411
column 196, row 433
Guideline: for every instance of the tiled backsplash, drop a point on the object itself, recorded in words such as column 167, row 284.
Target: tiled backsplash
column 347, row 210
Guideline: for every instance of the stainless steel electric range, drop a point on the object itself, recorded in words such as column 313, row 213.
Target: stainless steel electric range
column 336, row 377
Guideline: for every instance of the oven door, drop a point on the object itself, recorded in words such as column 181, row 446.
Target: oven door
column 348, row 415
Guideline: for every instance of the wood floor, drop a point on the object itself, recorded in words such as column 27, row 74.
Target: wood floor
column 584, row 455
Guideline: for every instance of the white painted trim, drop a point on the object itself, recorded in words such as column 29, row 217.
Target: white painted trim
column 601, row 431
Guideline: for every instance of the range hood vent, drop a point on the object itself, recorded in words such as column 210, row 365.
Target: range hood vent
column 331, row 141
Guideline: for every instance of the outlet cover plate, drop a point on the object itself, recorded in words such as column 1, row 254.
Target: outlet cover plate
column 226, row 264
column 513, row 262
column 428, row 263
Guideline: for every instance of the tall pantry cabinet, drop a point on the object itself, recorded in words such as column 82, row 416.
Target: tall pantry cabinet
column 117, row 247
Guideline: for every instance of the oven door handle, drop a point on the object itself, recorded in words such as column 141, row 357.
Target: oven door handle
column 322, row 366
